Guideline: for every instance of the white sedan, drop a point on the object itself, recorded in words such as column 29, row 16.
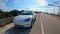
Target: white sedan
column 25, row 19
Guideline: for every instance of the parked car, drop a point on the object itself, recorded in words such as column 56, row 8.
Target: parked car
column 25, row 19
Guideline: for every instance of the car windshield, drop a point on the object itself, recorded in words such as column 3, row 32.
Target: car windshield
column 26, row 13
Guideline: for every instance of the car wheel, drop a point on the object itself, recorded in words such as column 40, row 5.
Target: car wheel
column 15, row 25
column 34, row 19
column 32, row 22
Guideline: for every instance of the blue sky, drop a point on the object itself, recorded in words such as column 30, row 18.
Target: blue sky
column 23, row 4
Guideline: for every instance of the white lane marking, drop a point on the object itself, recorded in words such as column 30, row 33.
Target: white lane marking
column 42, row 25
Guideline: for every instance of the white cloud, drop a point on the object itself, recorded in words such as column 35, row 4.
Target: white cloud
column 55, row 1
column 40, row 2
column 3, row 4
column 59, row 1
column 16, row 1
column 49, row 10
column 3, row 1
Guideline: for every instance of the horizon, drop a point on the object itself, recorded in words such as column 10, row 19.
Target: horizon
column 7, row 5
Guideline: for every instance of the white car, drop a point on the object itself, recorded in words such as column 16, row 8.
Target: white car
column 25, row 19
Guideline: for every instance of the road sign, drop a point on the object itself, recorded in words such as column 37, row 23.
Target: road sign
column 50, row 4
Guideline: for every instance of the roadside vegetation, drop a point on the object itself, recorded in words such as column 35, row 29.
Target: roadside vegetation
column 38, row 12
column 7, row 14
column 54, row 14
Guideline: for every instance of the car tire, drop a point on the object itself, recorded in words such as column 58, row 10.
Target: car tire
column 34, row 19
column 32, row 23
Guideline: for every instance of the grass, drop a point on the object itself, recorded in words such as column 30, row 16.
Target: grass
column 5, row 23
column 55, row 15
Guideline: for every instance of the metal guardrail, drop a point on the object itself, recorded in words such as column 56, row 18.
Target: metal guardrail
column 5, row 21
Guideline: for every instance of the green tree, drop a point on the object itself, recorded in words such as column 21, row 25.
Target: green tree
column 14, row 12
column 1, row 14
column 7, row 14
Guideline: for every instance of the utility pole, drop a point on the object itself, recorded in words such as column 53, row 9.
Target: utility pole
column 36, row 9
column 28, row 9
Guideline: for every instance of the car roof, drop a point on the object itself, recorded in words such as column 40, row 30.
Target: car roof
column 28, row 11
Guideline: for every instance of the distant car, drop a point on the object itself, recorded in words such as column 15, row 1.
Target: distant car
column 25, row 19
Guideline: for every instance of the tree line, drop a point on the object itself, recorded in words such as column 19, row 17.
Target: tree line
column 7, row 14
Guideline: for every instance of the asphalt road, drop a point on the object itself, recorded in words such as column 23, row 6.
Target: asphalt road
column 44, row 24
column 51, row 24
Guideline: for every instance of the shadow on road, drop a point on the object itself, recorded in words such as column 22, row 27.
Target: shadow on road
column 15, row 30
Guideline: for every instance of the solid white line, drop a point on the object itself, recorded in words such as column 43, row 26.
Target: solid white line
column 42, row 29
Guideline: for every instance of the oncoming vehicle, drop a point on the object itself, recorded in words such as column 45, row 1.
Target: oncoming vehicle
column 25, row 19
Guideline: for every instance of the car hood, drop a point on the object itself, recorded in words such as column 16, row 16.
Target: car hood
column 22, row 17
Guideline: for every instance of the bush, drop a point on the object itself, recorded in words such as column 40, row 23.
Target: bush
column 5, row 23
